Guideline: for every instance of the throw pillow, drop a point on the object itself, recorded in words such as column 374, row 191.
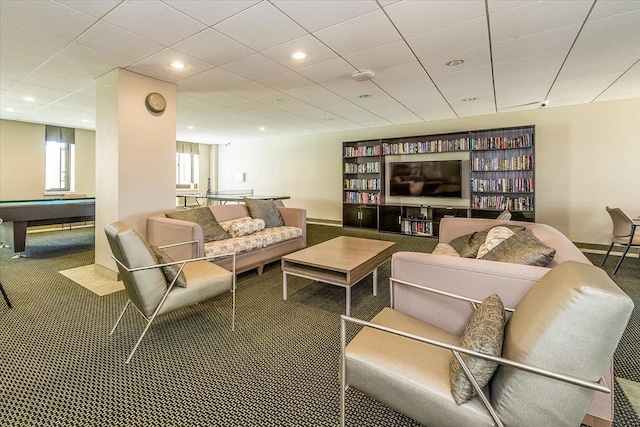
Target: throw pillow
column 169, row 271
column 484, row 333
column 211, row 230
column 265, row 210
column 469, row 244
column 522, row 248
column 444, row 249
column 242, row 226
column 495, row 236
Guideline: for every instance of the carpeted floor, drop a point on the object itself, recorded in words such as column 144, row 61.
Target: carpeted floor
column 59, row 366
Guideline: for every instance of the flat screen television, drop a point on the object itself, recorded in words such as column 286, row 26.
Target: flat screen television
column 433, row 178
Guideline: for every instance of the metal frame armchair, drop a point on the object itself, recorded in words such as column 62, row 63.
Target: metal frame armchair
column 554, row 353
column 147, row 287
column 624, row 233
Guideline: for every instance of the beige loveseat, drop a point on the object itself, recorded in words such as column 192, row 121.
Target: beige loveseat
column 253, row 250
column 477, row 279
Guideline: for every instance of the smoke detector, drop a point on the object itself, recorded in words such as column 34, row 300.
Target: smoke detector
column 362, row 76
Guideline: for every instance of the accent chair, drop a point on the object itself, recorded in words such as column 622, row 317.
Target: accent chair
column 624, row 233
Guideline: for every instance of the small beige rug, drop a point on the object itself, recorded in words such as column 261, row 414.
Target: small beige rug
column 89, row 278
column 632, row 391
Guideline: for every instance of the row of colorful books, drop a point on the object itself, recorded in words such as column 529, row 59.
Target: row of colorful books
column 370, row 167
column 362, row 184
column 370, row 150
column 502, row 142
column 434, row 146
column 499, row 202
column 515, row 185
column 362, row 197
column 502, row 164
column 419, row 227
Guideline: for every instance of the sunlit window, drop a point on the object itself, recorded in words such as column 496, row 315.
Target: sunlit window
column 59, row 159
column 187, row 165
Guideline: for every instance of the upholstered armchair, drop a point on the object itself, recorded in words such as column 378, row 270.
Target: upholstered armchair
column 557, row 343
column 155, row 284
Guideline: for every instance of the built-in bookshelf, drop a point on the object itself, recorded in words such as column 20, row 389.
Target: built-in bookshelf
column 362, row 182
column 502, row 172
column 501, row 176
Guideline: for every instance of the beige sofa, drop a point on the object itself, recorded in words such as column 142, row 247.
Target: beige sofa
column 276, row 241
column 476, row 278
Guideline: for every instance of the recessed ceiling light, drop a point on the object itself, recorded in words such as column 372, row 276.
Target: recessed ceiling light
column 469, row 99
column 299, row 55
column 28, row 99
column 364, row 96
column 178, row 65
column 262, row 128
column 329, row 119
column 455, row 62
column 189, row 127
column 84, row 121
column 277, row 100
column 11, row 110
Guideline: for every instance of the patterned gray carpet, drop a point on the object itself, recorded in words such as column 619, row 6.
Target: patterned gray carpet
column 59, row 366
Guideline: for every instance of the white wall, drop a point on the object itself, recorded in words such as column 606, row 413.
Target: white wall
column 586, row 158
column 22, row 161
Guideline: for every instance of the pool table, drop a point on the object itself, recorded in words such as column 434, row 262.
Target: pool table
column 17, row 215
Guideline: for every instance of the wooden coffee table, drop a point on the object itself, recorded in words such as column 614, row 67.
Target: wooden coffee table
column 342, row 261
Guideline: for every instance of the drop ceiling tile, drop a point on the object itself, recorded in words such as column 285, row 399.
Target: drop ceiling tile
column 581, row 88
column 537, row 17
column 542, row 78
column 191, row 88
column 478, row 75
column 602, row 51
column 97, row 9
column 608, row 8
column 626, row 87
column 260, row 27
column 68, row 71
column 29, row 40
column 161, row 62
column 417, row 17
column 153, row 73
column 411, row 87
column 285, row 81
column 254, row 67
column 314, row 15
column 500, row 5
column 210, row 12
column 116, row 41
column 315, row 50
column 47, row 16
column 557, row 40
column 475, row 57
column 532, row 64
column 480, row 90
column 46, row 80
column 252, row 90
column 218, row 78
column 40, row 92
column 19, row 59
column 213, row 47
column 400, row 73
column 326, row 71
column 453, row 38
column 613, row 65
column 222, row 98
column 351, row 89
column 380, row 57
column 355, row 35
column 610, row 29
column 310, row 92
column 154, row 20
column 521, row 97
column 94, row 60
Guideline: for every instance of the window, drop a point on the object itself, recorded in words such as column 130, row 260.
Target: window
column 187, row 165
column 59, row 159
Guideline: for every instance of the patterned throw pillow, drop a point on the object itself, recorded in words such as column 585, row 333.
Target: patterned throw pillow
column 169, row 271
column 469, row 244
column 495, row 236
column 211, row 230
column 484, row 333
column 265, row 210
column 444, row 249
column 522, row 248
column 244, row 226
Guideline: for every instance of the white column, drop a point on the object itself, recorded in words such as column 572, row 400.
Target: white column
column 135, row 155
